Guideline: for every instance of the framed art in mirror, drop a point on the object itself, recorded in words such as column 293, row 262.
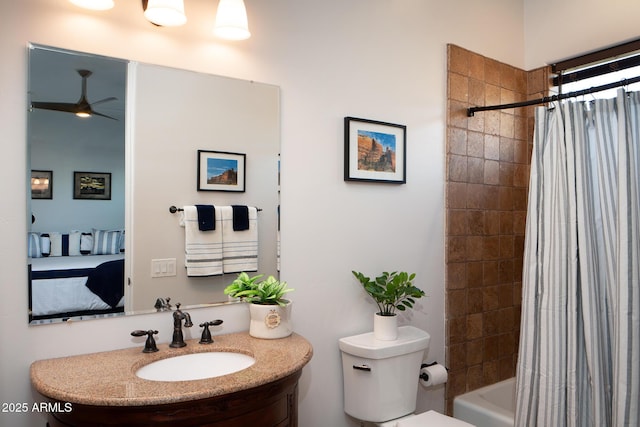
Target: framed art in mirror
column 41, row 184
column 92, row 185
column 374, row 151
column 221, row 171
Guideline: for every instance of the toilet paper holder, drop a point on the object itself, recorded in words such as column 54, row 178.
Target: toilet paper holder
column 425, row 376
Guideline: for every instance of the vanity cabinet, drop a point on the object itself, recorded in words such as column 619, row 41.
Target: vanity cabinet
column 102, row 389
column 270, row 405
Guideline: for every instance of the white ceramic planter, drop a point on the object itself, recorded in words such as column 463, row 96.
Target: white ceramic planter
column 385, row 328
column 270, row 321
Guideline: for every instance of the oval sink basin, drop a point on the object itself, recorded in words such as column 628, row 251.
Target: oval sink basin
column 195, row 366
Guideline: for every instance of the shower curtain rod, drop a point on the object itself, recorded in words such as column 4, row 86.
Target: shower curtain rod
column 546, row 99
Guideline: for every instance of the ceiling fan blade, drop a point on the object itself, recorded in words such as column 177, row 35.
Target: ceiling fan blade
column 56, row 106
column 82, row 106
column 111, row 98
column 95, row 113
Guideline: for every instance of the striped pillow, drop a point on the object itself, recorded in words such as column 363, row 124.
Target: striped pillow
column 106, row 242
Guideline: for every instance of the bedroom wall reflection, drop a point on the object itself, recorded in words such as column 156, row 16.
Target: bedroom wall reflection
column 158, row 118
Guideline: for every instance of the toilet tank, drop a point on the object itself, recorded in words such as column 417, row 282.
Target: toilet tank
column 381, row 377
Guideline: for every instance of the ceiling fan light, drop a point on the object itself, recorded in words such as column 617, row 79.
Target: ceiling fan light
column 166, row 13
column 231, row 20
column 94, row 4
column 83, row 114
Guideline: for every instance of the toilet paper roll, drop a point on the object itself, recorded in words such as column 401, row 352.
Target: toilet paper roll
column 433, row 375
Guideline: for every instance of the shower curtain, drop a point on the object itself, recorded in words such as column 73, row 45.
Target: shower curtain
column 579, row 354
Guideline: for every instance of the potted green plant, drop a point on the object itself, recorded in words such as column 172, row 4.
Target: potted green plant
column 390, row 291
column 270, row 312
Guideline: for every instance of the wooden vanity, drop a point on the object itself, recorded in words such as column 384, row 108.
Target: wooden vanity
column 101, row 389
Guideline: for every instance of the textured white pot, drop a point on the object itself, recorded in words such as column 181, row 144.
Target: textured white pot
column 385, row 328
column 270, row 321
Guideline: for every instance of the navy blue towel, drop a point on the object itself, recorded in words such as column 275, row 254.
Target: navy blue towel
column 206, row 217
column 240, row 217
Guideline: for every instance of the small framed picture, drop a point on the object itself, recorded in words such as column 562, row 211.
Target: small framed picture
column 221, row 171
column 92, row 185
column 41, row 184
column 374, row 151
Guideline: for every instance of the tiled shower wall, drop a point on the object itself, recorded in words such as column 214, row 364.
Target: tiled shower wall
column 488, row 158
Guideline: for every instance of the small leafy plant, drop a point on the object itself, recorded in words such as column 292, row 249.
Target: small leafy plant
column 267, row 292
column 391, row 291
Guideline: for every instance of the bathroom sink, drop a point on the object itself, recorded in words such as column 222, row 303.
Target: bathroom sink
column 195, row 366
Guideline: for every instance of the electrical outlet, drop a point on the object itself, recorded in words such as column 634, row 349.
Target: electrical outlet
column 163, row 267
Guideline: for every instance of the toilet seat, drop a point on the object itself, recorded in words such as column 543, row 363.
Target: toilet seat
column 431, row 419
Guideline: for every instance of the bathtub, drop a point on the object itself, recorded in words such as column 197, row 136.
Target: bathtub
column 490, row 406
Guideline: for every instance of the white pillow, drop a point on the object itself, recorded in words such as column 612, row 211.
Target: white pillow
column 34, row 249
column 45, row 245
column 122, row 245
column 74, row 242
column 86, row 243
column 56, row 243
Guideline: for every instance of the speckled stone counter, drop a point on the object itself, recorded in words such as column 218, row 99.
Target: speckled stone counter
column 108, row 378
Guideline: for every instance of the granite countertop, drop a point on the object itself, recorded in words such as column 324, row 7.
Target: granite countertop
column 108, row 378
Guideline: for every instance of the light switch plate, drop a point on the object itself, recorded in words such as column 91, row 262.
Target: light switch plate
column 165, row 267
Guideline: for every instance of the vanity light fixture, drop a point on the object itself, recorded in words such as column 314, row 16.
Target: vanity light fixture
column 230, row 23
column 94, row 4
column 166, row 13
column 231, row 20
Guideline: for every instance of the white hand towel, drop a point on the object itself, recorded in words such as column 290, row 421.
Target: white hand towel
column 203, row 249
column 239, row 248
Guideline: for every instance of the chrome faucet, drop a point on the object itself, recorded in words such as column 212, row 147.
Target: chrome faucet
column 178, row 317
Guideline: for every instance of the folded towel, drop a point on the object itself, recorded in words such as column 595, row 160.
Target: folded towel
column 206, row 217
column 240, row 217
column 203, row 250
column 239, row 248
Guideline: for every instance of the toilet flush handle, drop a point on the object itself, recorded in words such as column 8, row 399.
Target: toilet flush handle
column 362, row 367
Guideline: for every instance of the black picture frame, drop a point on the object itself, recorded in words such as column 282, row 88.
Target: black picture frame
column 41, row 184
column 374, row 151
column 92, row 185
column 221, row 171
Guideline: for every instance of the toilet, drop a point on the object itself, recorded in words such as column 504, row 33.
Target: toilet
column 381, row 380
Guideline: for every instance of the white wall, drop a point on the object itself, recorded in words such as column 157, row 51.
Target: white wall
column 374, row 59
column 557, row 30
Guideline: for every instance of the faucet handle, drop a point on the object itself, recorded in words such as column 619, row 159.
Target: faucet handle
column 206, row 334
column 150, row 344
column 162, row 304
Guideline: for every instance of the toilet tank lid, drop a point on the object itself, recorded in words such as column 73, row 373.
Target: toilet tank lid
column 410, row 339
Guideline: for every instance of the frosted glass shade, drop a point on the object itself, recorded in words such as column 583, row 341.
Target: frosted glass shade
column 231, row 20
column 94, row 4
column 166, row 13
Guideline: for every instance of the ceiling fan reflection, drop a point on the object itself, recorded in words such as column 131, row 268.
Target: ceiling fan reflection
column 82, row 108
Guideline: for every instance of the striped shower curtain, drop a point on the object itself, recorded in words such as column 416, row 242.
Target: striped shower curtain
column 579, row 355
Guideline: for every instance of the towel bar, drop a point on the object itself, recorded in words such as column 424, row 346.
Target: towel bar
column 174, row 209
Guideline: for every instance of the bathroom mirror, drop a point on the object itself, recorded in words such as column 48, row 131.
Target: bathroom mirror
column 142, row 140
